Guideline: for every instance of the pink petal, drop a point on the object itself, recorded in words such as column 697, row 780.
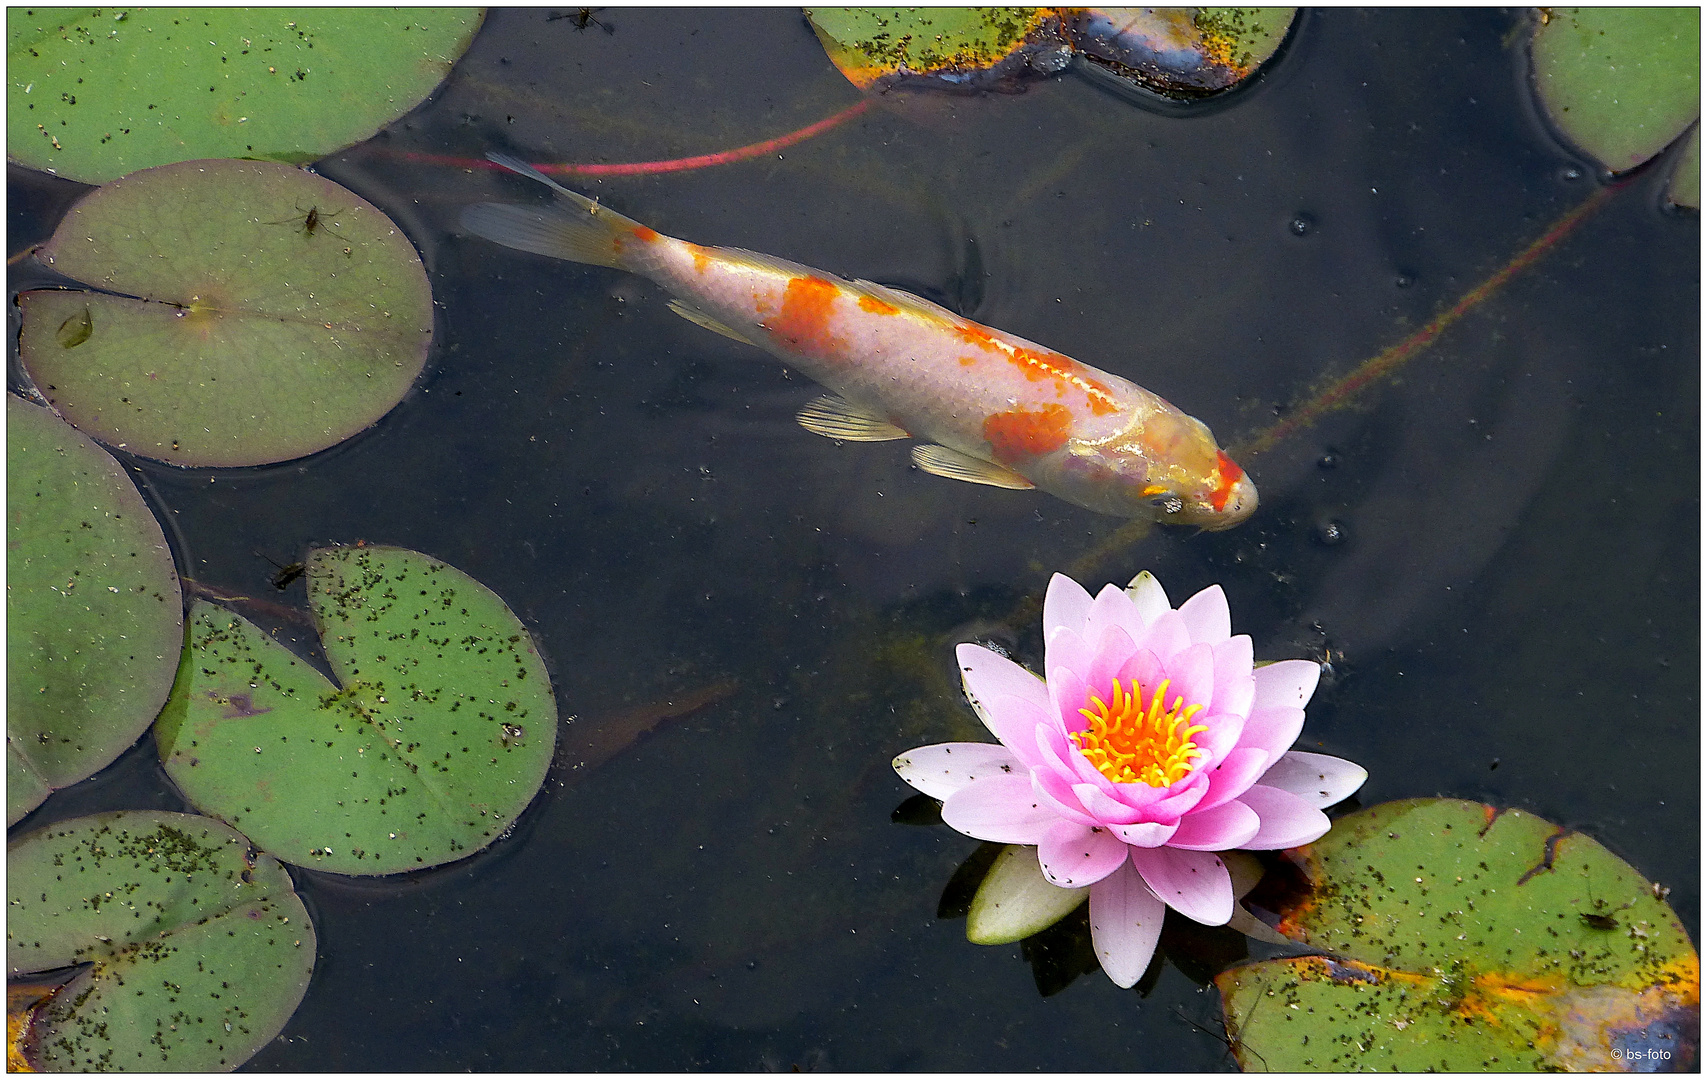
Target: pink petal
column 1318, row 779
column 1066, row 647
column 1148, row 599
column 1235, row 679
column 1113, row 607
column 1206, row 616
column 1194, row 883
column 1146, row 833
column 1287, row 820
column 1073, row 856
column 1144, row 666
column 985, row 675
column 1105, row 807
column 1068, row 694
column 1223, row 735
column 999, row 808
column 1224, row 827
column 1180, row 800
column 1055, row 753
column 943, row 769
column 1061, row 797
column 1234, row 776
column 1166, row 636
column 1126, row 920
column 1191, row 675
column 1015, row 721
column 1286, row 683
column 1065, row 603
column 1273, row 728
column 1114, row 647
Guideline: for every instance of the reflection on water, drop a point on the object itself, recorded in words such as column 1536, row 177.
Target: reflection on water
column 1510, row 602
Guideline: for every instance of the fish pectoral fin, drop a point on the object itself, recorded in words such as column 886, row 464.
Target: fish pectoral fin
column 838, row 418
column 942, row 461
column 700, row 318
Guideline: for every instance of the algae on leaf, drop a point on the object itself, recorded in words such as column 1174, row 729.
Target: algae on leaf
column 93, row 609
column 194, row 949
column 94, row 93
column 435, row 738
column 250, row 312
column 1458, row 938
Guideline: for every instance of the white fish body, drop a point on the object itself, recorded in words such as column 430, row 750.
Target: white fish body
column 996, row 408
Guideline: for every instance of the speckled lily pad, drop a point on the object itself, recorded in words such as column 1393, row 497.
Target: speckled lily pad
column 94, row 614
column 194, row 948
column 1461, row 938
column 251, row 312
column 94, row 93
column 436, row 736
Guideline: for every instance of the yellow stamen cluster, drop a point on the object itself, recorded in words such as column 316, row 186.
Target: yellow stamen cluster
column 1131, row 743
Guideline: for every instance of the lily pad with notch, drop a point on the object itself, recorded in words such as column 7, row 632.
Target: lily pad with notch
column 97, row 93
column 179, row 947
column 1458, row 937
column 240, row 313
column 93, row 607
column 436, row 736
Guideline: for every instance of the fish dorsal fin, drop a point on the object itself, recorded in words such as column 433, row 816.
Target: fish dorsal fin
column 903, row 299
column 700, row 318
column 942, row 461
column 838, row 418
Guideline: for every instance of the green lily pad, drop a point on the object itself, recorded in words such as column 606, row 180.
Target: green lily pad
column 94, row 614
column 437, row 736
column 1463, row 938
column 878, row 47
column 194, row 949
column 1620, row 83
column 263, row 313
column 97, row 93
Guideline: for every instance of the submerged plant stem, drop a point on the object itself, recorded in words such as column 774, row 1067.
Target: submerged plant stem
column 1343, row 390
column 637, row 168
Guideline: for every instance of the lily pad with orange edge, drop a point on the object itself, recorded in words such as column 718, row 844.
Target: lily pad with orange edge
column 1457, row 937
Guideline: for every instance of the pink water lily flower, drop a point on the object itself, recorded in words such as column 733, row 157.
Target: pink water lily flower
column 1154, row 743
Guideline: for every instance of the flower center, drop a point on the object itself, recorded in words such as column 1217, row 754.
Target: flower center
column 1130, row 742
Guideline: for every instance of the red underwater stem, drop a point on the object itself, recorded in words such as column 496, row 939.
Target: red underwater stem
column 638, row 168
column 1341, row 391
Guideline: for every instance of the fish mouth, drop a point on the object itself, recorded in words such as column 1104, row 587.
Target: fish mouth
column 1240, row 505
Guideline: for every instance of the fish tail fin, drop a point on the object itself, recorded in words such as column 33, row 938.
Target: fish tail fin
column 574, row 227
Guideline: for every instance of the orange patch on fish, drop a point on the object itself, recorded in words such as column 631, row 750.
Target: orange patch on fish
column 644, row 234
column 804, row 322
column 701, row 261
column 1064, row 371
column 1229, row 473
column 876, row 306
column 1021, row 434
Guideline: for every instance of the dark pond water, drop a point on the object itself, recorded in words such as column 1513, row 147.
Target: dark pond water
column 1498, row 549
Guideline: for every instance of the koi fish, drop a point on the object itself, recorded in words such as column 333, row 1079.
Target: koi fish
column 997, row 409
